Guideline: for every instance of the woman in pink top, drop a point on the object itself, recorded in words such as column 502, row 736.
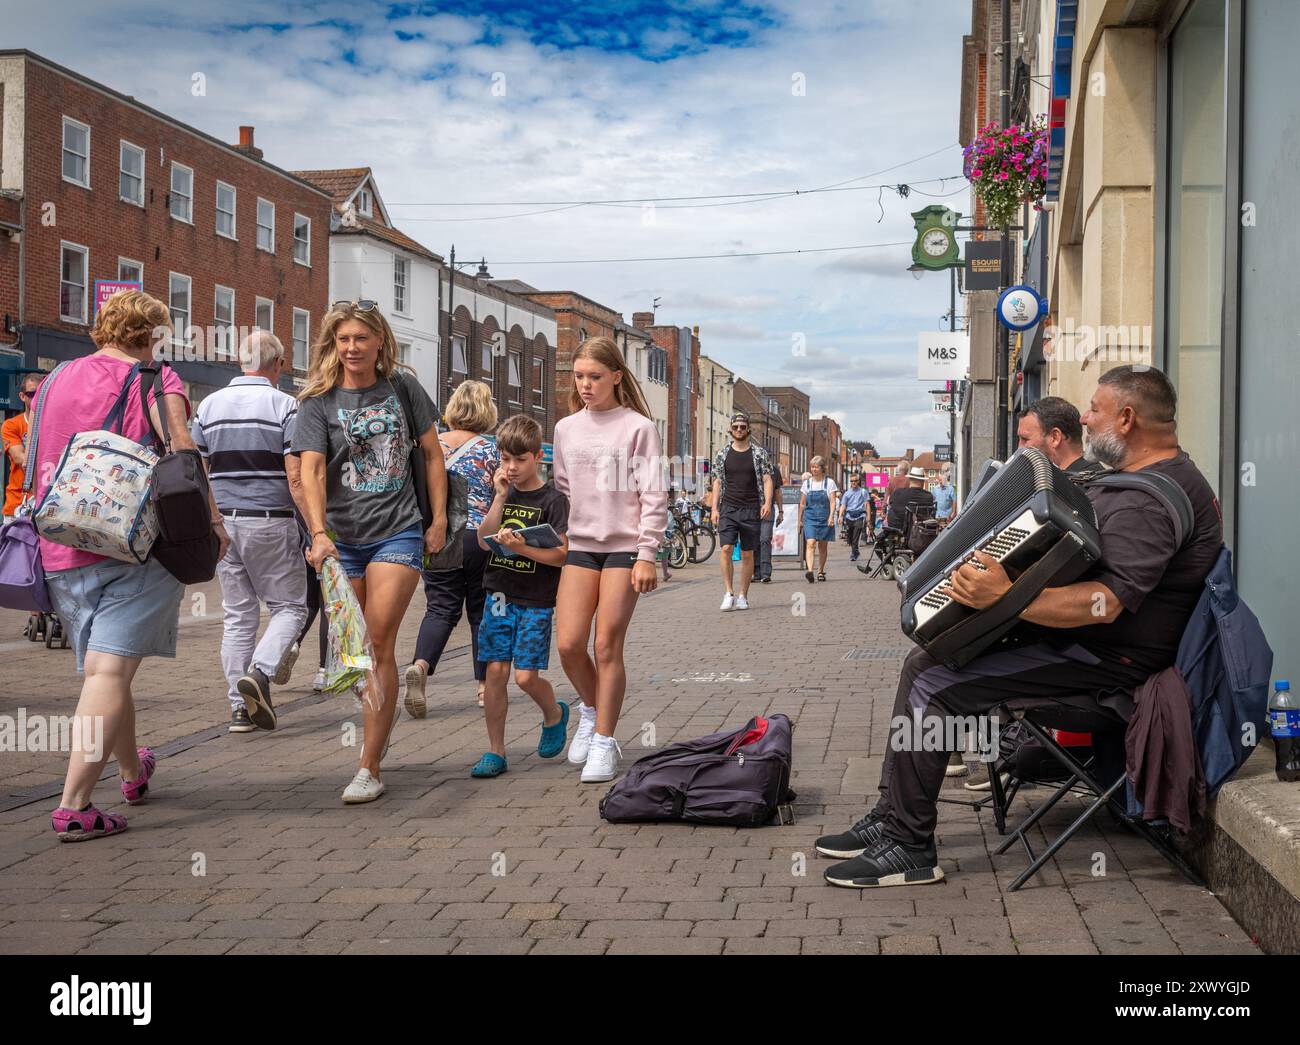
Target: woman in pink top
column 609, row 463
column 115, row 613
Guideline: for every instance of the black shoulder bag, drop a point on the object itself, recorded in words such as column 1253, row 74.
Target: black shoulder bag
column 452, row 555
column 186, row 545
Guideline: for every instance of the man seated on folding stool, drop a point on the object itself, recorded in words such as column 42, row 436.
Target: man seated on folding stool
column 1086, row 642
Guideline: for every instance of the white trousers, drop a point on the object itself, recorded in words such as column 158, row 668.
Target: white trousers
column 264, row 564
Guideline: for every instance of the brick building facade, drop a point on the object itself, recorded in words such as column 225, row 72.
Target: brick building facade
column 828, row 443
column 493, row 334
column 681, row 346
column 109, row 189
column 793, row 407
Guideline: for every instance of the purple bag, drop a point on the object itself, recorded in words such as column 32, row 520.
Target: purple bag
column 740, row 778
column 22, row 578
column 22, row 581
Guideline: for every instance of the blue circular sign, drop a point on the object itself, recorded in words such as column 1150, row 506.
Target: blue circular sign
column 1020, row 307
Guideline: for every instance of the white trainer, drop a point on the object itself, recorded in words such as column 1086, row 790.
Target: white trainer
column 728, row 602
column 364, row 788
column 285, row 669
column 602, row 761
column 580, row 745
column 318, row 683
column 742, row 603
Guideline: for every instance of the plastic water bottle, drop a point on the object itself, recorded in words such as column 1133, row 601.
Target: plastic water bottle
column 1284, row 719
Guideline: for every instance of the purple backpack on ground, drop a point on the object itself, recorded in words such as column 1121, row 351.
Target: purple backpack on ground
column 739, row 778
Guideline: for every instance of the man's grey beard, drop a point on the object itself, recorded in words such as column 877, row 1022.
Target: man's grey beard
column 1107, row 448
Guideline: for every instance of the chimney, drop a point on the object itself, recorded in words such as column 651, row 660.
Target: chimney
column 643, row 320
column 246, row 143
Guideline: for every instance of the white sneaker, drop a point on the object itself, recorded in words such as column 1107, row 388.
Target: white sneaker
column 728, row 602
column 602, row 760
column 580, row 745
column 285, row 669
column 742, row 603
column 415, row 701
column 318, row 683
column 364, row 788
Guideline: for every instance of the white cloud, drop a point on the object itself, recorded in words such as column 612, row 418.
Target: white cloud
column 586, row 123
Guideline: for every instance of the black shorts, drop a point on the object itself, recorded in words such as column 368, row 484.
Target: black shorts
column 601, row 560
column 738, row 525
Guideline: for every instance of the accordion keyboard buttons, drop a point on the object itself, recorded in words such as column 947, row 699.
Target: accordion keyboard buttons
column 999, row 547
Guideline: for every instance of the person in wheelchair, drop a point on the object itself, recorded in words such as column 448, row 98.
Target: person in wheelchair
column 1088, row 644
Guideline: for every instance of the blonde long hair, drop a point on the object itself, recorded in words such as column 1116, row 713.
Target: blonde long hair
column 326, row 368
column 628, row 392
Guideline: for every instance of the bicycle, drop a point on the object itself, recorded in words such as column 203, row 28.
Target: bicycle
column 698, row 536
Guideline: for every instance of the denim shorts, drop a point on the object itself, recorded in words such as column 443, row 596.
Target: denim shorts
column 521, row 634
column 405, row 549
column 118, row 607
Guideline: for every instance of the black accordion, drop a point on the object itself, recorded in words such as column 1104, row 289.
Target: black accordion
column 1029, row 516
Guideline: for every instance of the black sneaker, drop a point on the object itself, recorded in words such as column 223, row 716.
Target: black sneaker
column 240, row 722
column 887, row 863
column 255, row 688
column 862, row 835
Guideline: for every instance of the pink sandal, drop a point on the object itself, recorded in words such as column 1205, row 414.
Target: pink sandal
column 78, row 825
column 135, row 791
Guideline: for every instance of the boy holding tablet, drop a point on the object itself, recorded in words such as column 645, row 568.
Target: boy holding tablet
column 521, row 580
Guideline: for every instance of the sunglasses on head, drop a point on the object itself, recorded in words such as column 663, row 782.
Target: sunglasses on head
column 360, row 305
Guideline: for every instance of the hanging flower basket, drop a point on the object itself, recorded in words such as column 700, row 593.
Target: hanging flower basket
column 1007, row 167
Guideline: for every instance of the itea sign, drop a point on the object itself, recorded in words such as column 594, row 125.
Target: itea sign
column 942, row 355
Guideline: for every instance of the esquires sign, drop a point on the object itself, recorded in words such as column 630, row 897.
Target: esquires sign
column 983, row 265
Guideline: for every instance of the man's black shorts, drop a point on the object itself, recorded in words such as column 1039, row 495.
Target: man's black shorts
column 738, row 525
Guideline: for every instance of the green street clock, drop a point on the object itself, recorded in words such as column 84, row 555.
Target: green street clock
column 936, row 240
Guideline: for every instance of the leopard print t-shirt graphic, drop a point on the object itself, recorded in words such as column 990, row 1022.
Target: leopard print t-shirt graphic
column 379, row 448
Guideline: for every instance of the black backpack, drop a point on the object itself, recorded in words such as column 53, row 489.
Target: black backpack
column 739, row 778
column 920, row 526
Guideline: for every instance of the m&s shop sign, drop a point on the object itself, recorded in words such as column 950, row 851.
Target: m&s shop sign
column 942, row 355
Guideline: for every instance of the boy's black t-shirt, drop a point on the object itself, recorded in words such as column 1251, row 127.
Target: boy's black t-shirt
column 525, row 581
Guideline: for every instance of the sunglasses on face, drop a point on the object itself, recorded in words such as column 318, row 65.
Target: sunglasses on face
column 360, row 305
column 740, row 428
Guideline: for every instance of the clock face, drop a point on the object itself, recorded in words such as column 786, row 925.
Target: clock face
column 935, row 243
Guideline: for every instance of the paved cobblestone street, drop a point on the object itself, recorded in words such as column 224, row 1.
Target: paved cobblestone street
column 245, row 846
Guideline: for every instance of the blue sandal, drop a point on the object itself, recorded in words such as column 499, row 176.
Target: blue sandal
column 489, row 765
column 553, row 737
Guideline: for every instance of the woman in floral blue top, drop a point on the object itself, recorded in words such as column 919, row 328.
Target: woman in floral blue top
column 468, row 452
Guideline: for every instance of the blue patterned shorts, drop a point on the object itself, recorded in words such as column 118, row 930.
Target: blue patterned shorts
column 516, row 633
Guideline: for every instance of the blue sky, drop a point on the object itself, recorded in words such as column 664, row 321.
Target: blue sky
column 608, row 101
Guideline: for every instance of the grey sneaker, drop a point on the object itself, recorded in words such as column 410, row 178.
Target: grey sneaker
column 255, row 688
column 416, row 677
column 285, row 669
column 240, row 722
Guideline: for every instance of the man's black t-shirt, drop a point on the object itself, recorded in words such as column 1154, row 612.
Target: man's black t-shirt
column 740, row 486
column 1158, row 586
column 525, row 581
column 896, row 516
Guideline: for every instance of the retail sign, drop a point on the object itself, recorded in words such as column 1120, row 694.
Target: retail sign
column 942, row 403
column 983, row 265
column 1021, row 307
column 106, row 288
column 943, row 452
column 942, row 355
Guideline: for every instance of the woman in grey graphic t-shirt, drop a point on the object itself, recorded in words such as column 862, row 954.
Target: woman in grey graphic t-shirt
column 359, row 418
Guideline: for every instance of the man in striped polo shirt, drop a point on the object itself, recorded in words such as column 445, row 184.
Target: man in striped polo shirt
column 244, row 432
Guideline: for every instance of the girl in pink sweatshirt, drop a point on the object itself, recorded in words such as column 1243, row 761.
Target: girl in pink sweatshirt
column 609, row 463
